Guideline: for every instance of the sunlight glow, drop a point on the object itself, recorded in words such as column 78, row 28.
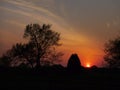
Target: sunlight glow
column 88, row 65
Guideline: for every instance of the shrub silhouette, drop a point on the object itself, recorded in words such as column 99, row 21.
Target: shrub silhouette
column 112, row 53
column 74, row 63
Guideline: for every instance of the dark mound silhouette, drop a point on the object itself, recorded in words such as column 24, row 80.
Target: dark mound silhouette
column 74, row 63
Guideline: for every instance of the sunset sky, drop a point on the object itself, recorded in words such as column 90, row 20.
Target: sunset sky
column 85, row 25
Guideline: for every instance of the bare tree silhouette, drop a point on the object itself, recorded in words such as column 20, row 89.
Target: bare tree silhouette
column 42, row 37
column 38, row 49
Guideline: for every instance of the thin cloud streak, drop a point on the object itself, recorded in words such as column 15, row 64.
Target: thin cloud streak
column 39, row 17
column 32, row 7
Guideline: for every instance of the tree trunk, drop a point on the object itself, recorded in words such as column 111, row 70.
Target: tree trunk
column 38, row 62
column 30, row 62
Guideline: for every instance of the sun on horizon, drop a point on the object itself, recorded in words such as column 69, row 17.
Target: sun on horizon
column 88, row 65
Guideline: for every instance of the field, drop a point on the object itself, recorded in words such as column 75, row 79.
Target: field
column 54, row 79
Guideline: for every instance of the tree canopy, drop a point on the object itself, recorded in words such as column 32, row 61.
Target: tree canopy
column 112, row 53
column 38, row 48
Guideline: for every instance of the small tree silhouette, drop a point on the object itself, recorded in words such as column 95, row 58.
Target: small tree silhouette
column 112, row 53
column 5, row 60
column 74, row 63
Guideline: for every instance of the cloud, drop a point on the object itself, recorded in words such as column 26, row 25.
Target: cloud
column 36, row 12
column 46, row 3
column 31, row 6
column 43, row 16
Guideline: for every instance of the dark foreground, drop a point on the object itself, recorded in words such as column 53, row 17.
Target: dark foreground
column 54, row 79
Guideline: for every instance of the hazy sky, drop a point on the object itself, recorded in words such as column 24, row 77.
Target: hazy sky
column 85, row 25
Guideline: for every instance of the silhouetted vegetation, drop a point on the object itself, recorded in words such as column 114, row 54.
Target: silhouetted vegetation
column 56, row 77
column 5, row 60
column 112, row 51
column 38, row 50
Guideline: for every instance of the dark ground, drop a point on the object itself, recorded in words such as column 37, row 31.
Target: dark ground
column 59, row 79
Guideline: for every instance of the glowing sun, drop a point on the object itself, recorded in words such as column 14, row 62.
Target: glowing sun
column 88, row 65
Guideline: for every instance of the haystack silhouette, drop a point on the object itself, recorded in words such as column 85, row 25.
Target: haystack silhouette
column 74, row 64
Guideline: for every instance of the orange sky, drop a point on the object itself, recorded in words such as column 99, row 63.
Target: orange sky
column 85, row 25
